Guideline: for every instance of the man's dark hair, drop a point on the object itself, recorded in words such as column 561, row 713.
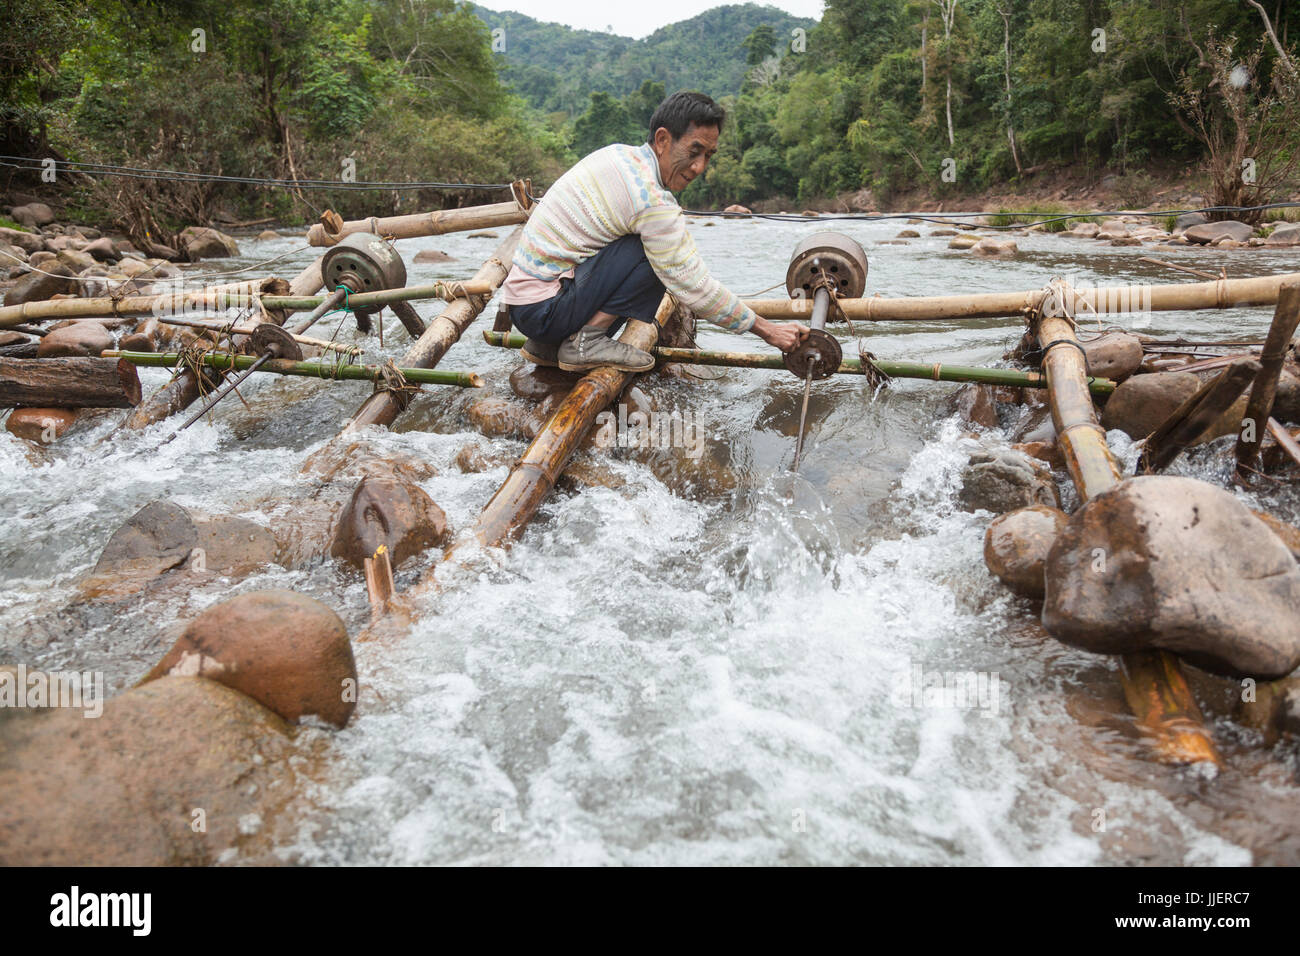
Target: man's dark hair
column 685, row 109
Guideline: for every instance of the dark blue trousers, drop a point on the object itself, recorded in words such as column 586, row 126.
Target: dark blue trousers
column 618, row 279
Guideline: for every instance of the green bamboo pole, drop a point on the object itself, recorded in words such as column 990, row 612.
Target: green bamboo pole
column 931, row 371
column 366, row 300
column 224, row 362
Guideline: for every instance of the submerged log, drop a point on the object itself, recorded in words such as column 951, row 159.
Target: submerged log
column 69, row 382
column 383, row 407
column 427, row 223
column 1154, row 682
column 1285, row 319
column 1190, row 420
column 1223, row 294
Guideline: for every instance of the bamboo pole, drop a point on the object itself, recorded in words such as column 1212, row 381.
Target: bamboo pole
column 224, row 361
column 215, row 298
column 1221, row 294
column 1285, row 440
column 1285, row 319
column 383, row 407
column 1190, row 419
column 425, row 223
column 1154, row 683
column 929, row 371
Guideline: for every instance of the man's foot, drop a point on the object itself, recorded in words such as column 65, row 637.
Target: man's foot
column 590, row 348
column 540, row 353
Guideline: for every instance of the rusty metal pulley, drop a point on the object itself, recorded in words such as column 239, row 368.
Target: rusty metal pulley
column 269, row 337
column 363, row 262
column 830, row 259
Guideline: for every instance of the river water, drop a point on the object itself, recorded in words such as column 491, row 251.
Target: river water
column 714, row 662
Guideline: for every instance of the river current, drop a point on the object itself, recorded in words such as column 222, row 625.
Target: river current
column 718, row 665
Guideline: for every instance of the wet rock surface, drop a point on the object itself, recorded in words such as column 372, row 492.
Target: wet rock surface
column 1162, row 562
column 387, row 512
column 1139, row 405
column 122, row 789
column 287, row 651
column 1113, row 355
column 1016, row 546
column 1004, row 480
column 77, row 338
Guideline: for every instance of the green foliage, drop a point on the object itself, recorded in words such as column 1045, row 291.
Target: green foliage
column 606, row 121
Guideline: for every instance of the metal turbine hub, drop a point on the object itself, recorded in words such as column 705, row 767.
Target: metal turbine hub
column 819, row 355
column 830, row 259
column 364, row 263
column 269, row 337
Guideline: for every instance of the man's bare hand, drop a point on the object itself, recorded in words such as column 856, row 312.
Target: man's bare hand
column 785, row 336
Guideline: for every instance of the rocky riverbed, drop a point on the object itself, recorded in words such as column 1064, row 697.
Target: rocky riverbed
column 686, row 658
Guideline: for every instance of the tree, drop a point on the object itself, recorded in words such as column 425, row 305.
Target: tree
column 759, row 44
column 606, row 121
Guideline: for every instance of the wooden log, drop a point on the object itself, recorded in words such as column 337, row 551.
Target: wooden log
column 383, row 407
column 1285, row 440
column 69, row 382
column 1222, row 294
column 1285, row 319
column 1154, row 682
column 425, row 223
column 1190, row 419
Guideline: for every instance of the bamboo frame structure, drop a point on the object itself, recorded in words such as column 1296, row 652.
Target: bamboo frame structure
column 1190, row 419
column 383, row 407
column 1154, row 683
column 225, row 361
column 927, row 371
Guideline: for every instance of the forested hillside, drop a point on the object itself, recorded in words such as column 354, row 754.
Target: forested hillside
column 556, row 68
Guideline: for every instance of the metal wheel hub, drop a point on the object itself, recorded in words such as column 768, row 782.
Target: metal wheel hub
column 827, row 258
column 269, row 337
column 821, row 353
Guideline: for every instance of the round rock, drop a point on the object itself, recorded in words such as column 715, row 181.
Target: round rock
column 1016, row 546
column 287, row 651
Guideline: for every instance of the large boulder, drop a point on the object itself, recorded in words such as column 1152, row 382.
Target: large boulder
column 1113, row 355
column 1142, row 402
column 162, row 536
column 388, row 512
column 1016, row 546
column 202, row 242
column 1005, row 480
column 1187, row 220
column 738, row 210
column 39, row 286
column 432, row 255
column 102, row 249
column 287, row 651
column 29, row 242
column 991, row 246
column 1175, row 564
column 1287, row 234
column 75, row 338
column 33, row 215
column 536, row 382
column 1209, row 232
column 76, row 260
column 974, row 404
column 177, row 772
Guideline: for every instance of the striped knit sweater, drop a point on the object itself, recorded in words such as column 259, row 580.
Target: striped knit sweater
column 614, row 192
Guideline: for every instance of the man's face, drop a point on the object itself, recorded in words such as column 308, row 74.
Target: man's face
column 681, row 160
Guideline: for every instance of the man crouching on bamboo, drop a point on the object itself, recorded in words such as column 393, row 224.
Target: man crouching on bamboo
column 608, row 239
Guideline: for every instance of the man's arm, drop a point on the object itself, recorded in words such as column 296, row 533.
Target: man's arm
column 675, row 258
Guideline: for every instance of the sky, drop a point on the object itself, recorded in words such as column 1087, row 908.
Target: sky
column 632, row 20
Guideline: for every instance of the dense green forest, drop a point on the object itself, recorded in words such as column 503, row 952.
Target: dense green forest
column 556, row 68
column 930, row 97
